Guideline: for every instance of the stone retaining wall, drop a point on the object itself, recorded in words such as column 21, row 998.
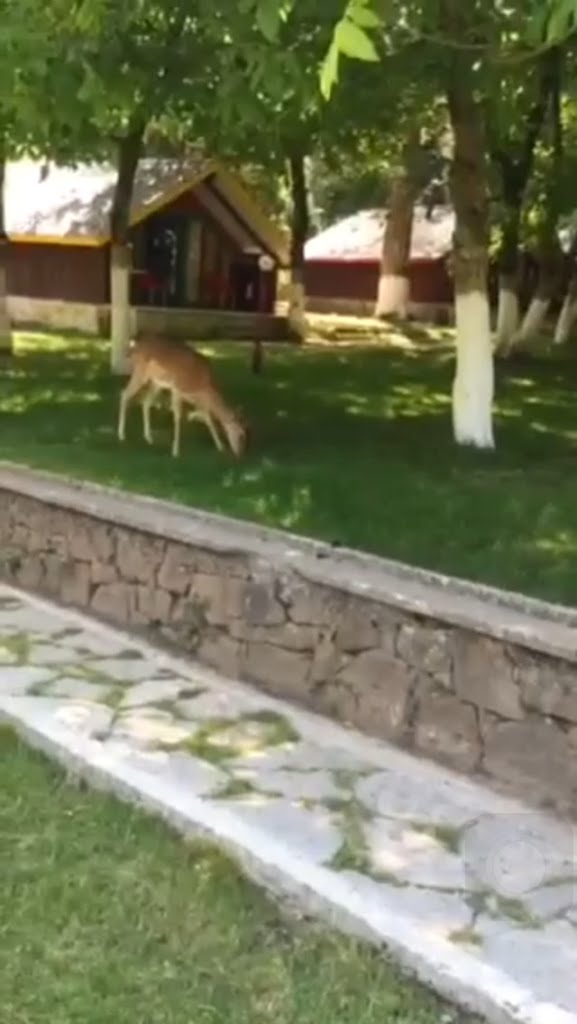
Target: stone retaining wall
column 480, row 680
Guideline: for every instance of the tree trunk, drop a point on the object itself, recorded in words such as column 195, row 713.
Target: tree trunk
column 568, row 313
column 508, row 312
column 515, row 172
column 5, row 326
column 299, row 231
column 129, row 150
column 550, row 257
column 393, row 293
column 550, row 270
column 474, row 377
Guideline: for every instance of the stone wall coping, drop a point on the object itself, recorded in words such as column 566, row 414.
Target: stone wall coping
column 533, row 624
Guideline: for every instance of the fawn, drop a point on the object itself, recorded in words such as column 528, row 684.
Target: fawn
column 159, row 365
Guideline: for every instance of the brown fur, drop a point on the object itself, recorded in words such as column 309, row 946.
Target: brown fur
column 166, row 366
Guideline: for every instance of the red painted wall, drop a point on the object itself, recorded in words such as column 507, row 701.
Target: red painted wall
column 73, row 273
column 429, row 280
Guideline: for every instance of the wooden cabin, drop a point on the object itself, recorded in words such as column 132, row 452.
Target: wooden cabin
column 199, row 240
column 342, row 263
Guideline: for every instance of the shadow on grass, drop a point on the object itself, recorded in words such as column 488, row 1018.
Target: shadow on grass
column 351, row 445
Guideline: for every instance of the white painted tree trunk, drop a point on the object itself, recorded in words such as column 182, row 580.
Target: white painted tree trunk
column 393, row 296
column 567, row 318
column 120, row 313
column 473, row 386
column 297, row 319
column 533, row 321
column 507, row 317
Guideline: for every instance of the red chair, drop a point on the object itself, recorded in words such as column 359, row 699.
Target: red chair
column 151, row 285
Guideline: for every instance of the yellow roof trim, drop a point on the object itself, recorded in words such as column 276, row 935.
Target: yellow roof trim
column 168, row 197
column 86, row 240
column 275, row 239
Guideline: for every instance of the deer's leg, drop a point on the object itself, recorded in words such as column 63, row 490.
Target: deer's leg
column 177, row 418
column 206, row 418
column 147, row 403
column 135, row 384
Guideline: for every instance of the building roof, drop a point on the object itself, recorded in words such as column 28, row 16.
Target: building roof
column 359, row 238
column 71, row 205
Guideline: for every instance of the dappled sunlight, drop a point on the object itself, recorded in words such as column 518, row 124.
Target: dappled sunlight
column 287, row 512
column 562, row 544
column 546, row 428
column 409, row 847
column 21, row 403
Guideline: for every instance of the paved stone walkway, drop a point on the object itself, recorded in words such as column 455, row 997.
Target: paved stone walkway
column 476, row 893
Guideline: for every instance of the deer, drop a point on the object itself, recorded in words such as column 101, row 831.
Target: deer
column 158, row 365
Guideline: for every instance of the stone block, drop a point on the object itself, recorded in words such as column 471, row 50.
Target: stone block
column 34, row 541
column 30, row 572
column 327, row 658
column 310, row 604
column 54, row 569
column 221, row 597
column 548, row 686
column 261, row 606
column 103, row 572
column 374, row 669
column 189, row 613
column 382, row 714
column 139, row 557
column 338, row 702
column 285, row 673
column 76, row 584
column 114, row 601
column 364, row 624
column 88, row 540
column 222, row 653
column 447, row 730
column 380, row 688
column 177, row 569
column 153, row 604
column 535, row 757
column 235, row 565
column 21, row 537
column 428, row 649
column 287, row 635
column 55, row 531
column 484, row 675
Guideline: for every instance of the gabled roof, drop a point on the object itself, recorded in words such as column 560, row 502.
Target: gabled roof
column 71, row 205
column 359, row 238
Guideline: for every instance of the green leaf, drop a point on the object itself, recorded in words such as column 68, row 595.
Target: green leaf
column 562, row 19
column 537, row 25
column 354, row 42
column 363, row 16
column 268, row 18
column 330, row 70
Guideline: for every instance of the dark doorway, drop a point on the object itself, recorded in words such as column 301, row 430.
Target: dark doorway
column 165, row 258
column 245, row 286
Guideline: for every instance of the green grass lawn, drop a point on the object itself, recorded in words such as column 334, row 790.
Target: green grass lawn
column 108, row 918
column 352, row 445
